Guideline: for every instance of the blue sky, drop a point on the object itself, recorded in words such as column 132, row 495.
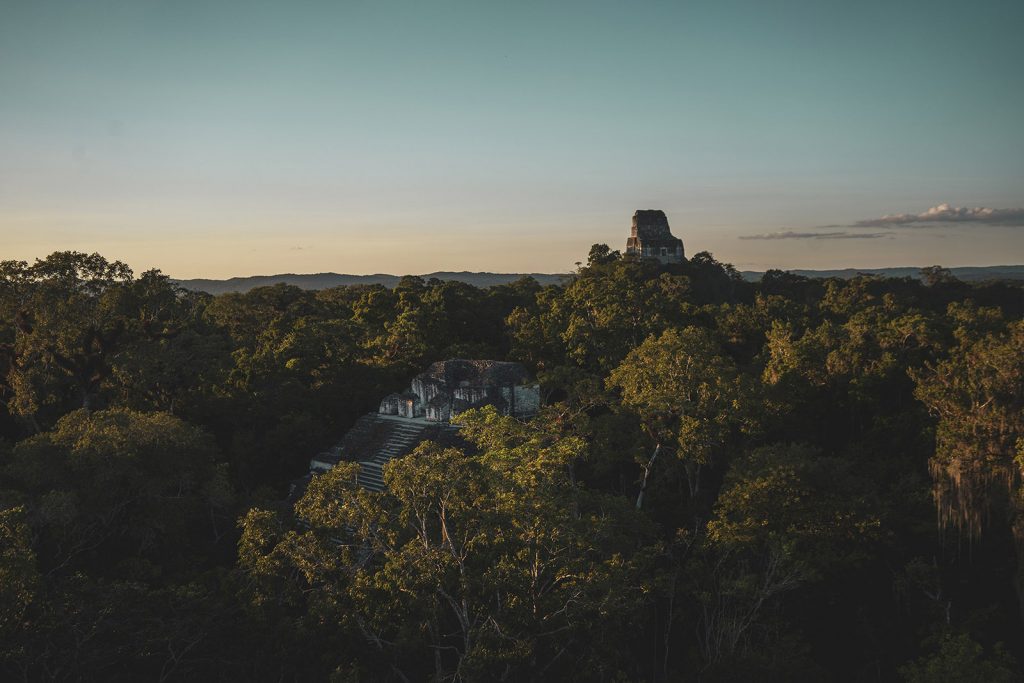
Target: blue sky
column 228, row 138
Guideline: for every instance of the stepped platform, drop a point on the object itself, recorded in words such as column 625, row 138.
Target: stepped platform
column 376, row 439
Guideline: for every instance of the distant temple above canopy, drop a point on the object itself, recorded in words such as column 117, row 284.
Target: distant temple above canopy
column 651, row 237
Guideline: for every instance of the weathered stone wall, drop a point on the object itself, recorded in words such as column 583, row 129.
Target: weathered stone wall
column 389, row 405
column 409, row 405
column 666, row 253
column 439, row 410
column 650, row 224
column 526, row 399
column 426, row 388
column 471, row 394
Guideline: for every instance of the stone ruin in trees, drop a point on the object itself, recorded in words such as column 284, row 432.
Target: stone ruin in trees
column 424, row 413
column 651, row 238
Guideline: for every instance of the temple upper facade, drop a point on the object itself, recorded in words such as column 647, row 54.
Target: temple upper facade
column 450, row 387
column 651, row 238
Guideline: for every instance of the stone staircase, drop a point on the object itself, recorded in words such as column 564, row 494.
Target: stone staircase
column 403, row 437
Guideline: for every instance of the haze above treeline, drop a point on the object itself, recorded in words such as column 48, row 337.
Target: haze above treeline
column 483, row 279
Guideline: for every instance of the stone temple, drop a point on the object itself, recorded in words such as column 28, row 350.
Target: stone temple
column 651, row 238
column 424, row 412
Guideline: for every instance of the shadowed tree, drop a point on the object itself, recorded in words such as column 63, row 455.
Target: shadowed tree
column 71, row 312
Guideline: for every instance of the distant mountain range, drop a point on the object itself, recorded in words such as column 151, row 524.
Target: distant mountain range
column 965, row 273
column 328, row 280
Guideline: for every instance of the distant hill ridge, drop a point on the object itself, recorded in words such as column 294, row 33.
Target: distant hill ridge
column 965, row 273
column 328, row 280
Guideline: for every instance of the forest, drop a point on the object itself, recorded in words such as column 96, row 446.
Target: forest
column 790, row 480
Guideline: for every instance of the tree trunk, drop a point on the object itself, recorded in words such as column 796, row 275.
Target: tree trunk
column 647, row 474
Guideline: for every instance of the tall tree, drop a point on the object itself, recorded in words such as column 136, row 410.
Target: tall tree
column 977, row 394
column 505, row 566
column 691, row 400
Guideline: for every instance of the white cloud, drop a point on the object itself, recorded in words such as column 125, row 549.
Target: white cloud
column 945, row 213
column 792, row 235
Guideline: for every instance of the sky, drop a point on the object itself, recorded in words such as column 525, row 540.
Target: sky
column 222, row 138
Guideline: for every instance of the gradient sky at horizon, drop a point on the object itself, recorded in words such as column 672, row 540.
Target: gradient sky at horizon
column 230, row 137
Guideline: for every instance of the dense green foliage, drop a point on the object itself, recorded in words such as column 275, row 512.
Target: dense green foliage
column 790, row 480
